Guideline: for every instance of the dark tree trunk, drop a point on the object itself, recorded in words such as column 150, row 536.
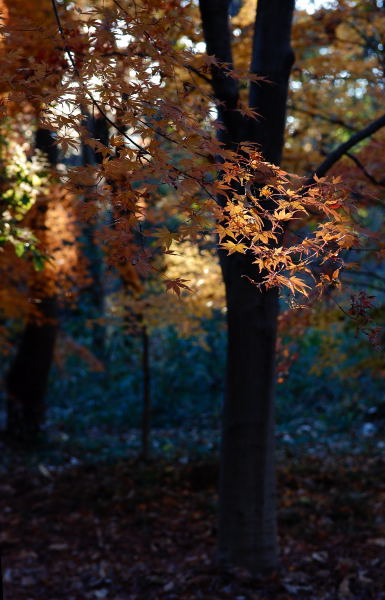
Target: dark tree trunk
column 247, row 516
column 247, row 521
column 146, row 414
column 27, row 377
column 273, row 58
column 98, row 129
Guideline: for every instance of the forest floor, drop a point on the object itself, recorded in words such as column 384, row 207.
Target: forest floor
column 131, row 531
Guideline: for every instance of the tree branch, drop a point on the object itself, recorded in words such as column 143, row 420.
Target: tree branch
column 365, row 284
column 95, row 103
column 199, row 73
column 342, row 149
column 316, row 115
column 364, row 170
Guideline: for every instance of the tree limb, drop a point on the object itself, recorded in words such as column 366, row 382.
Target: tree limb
column 199, row 73
column 342, row 149
column 364, row 170
column 95, row 103
column 316, row 115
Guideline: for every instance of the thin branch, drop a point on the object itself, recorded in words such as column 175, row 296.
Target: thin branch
column 170, row 139
column 96, row 104
column 188, row 67
column 332, row 120
column 364, row 170
column 342, row 149
column 197, row 72
column 142, row 151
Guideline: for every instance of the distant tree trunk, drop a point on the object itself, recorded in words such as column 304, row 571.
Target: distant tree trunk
column 27, row 377
column 146, row 414
column 98, row 129
column 247, row 519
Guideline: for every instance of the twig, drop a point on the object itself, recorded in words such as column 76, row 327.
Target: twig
column 197, row 72
column 342, row 149
column 364, row 170
column 333, row 120
column 142, row 150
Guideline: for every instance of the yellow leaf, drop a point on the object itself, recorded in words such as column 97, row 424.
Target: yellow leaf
column 232, row 247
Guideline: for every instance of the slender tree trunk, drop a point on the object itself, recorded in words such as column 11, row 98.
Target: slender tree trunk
column 27, row 377
column 247, row 520
column 146, row 414
column 98, row 129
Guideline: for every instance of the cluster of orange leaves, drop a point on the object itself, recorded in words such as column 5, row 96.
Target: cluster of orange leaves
column 128, row 62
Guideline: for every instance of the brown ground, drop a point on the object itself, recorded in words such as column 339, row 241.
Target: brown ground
column 126, row 531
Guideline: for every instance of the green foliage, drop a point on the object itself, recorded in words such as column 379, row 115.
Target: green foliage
column 22, row 180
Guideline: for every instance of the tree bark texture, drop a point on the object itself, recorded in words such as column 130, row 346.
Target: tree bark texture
column 247, row 519
column 27, row 378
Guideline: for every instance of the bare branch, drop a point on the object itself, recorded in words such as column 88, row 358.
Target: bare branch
column 333, row 120
column 199, row 73
column 364, row 170
column 342, row 149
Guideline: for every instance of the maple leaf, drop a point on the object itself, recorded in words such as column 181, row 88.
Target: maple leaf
column 297, row 285
column 209, row 60
column 247, row 111
column 224, row 232
column 282, row 215
column 165, row 236
column 177, row 285
column 234, row 247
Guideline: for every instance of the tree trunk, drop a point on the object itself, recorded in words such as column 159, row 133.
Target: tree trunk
column 146, row 414
column 247, row 519
column 27, row 377
column 98, row 129
column 247, row 509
